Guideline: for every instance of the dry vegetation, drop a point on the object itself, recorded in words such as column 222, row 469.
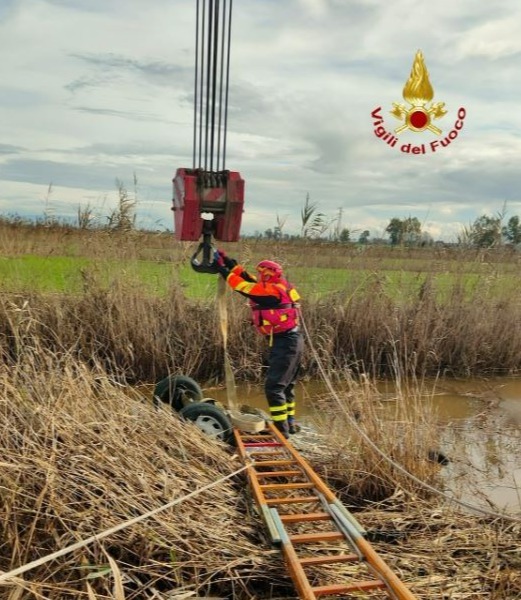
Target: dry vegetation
column 445, row 324
column 82, row 453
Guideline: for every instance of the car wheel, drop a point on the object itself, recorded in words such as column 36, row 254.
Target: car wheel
column 210, row 419
column 177, row 391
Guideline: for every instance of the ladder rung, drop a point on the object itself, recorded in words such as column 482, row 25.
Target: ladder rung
column 275, row 463
column 322, row 536
column 290, row 500
column 287, row 486
column 268, row 454
column 264, row 444
column 303, row 517
column 326, row 560
column 360, row 586
column 278, row 473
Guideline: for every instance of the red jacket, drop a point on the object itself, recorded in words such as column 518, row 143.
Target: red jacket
column 274, row 304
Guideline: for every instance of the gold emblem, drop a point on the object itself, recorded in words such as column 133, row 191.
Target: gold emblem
column 418, row 93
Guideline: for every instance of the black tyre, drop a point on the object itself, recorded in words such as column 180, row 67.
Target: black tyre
column 177, row 391
column 210, row 419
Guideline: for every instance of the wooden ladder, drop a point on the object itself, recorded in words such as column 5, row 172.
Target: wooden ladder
column 312, row 527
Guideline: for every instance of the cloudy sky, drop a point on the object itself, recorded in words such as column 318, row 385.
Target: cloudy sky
column 94, row 91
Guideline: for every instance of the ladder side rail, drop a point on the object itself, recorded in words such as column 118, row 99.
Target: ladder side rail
column 298, row 575
column 302, row 462
column 384, row 571
column 257, row 492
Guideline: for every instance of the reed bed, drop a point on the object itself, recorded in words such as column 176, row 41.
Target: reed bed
column 459, row 314
column 374, row 445
column 82, row 454
column 139, row 337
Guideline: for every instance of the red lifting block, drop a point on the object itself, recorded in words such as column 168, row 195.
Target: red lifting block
column 197, row 191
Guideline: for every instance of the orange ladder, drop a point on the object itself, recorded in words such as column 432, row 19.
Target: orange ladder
column 312, row 527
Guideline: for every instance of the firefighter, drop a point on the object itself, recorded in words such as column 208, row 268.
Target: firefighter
column 275, row 315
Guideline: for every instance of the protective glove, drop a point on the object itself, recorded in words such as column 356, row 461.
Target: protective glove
column 219, row 257
column 228, row 262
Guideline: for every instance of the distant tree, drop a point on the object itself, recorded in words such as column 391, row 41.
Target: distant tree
column 344, row 236
column 404, row 231
column 412, row 230
column 395, row 231
column 364, row 237
column 512, row 230
column 268, row 234
column 485, row 232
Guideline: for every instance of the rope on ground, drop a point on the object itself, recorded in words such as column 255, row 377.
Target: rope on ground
column 102, row 535
column 369, row 441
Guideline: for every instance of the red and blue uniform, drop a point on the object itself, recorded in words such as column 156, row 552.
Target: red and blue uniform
column 275, row 314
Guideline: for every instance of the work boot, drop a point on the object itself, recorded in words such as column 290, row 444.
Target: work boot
column 293, row 426
column 283, row 427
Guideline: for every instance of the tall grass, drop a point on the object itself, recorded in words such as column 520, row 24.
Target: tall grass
column 81, row 455
column 372, row 442
column 377, row 312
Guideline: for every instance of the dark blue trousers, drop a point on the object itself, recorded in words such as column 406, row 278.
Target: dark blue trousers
column 283, row 366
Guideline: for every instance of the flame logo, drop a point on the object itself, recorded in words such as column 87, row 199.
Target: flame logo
column 418, row 92
column 418, row 89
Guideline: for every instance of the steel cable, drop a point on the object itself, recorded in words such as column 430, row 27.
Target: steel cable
column 196, row 81
column 227, row 86
column 211, row 83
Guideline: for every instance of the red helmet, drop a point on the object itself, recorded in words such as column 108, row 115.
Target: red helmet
column 269, row 270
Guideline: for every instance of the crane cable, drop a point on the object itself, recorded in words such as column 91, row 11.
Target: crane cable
column 211, row 83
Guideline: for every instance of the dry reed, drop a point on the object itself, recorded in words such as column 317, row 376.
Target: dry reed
column 443, row 328
column 81, row 454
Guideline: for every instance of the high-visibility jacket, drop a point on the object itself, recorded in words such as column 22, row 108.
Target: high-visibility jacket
column 274, row 304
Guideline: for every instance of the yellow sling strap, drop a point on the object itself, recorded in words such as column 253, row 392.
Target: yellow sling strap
column 231, row 394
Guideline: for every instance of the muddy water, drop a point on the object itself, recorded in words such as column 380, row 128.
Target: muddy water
column 480, row 432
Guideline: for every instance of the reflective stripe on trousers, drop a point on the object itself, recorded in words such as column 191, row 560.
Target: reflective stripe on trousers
column 283, row 366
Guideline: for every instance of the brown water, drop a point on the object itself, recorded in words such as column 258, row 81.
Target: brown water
column 481, row 432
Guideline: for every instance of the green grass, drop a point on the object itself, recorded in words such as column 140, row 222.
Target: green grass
column 47, row 274
column 57, row 274
column 71, row 274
